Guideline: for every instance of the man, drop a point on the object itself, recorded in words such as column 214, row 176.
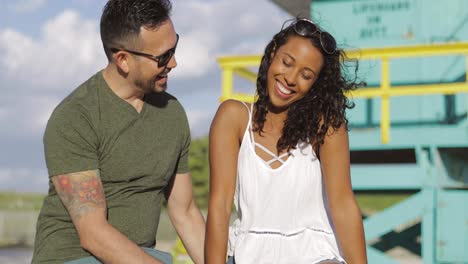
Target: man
column 116, row 146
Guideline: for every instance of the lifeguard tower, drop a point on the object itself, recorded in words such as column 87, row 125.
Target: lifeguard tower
column 409, row 129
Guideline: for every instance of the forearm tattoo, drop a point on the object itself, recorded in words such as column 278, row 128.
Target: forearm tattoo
column 80, row 192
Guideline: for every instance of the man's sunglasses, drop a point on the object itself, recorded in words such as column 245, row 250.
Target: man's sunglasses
column 162, row 60
column 307, row 28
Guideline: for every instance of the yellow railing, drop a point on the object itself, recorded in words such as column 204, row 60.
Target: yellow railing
column 240, row 65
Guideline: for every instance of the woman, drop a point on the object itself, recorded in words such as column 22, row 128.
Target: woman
column 285, row 160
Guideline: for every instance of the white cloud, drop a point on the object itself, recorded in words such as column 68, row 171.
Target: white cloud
column 69, row 48
column 27, row 116
column 42, row 109
column 3, row 113
column 67, row 52
column 23, row 179
column 199, row 121
column 16, row 49
column 195, row 54
column 27, row 6
column 211, row 28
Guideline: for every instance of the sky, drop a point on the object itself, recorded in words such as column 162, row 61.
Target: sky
column 49, row 47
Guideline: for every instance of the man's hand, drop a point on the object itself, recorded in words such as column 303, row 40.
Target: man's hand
column 186, row 216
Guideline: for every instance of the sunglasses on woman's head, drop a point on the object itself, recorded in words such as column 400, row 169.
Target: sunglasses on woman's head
column 162, row 60
column 307, row 28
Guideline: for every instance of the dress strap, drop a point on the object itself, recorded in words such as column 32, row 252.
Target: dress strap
column 255, row 144
column 249, row 124
column 275, row 157
column 246, row 106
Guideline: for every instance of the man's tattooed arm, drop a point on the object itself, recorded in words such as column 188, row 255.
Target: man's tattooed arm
column 83, row 196
column 81, row 193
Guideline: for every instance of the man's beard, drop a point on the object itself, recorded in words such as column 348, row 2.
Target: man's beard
column 151, row 86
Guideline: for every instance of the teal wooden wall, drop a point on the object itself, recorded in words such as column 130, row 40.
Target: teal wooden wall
column 428, row 149
column 361, row 24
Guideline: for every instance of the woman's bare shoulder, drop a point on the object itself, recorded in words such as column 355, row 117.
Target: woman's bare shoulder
column 234, row 113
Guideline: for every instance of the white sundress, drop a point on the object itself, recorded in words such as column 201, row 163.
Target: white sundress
column 282, row 213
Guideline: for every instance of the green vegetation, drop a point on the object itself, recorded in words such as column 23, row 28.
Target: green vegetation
column 199, row 167
column 371, row 203
column 20, row 201
column 200, row 170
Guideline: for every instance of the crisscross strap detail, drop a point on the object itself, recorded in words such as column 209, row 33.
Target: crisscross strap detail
column 275, row 157
column 255, row 144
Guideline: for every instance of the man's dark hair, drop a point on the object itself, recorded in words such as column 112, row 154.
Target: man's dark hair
column 122, row 20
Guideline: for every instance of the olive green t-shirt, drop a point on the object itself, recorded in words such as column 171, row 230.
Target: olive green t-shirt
column 136, row 154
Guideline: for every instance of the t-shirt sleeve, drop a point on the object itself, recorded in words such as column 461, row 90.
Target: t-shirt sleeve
column 183, row 163
column 70, row 142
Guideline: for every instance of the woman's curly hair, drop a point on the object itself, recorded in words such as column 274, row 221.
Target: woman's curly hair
column 325, row 104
